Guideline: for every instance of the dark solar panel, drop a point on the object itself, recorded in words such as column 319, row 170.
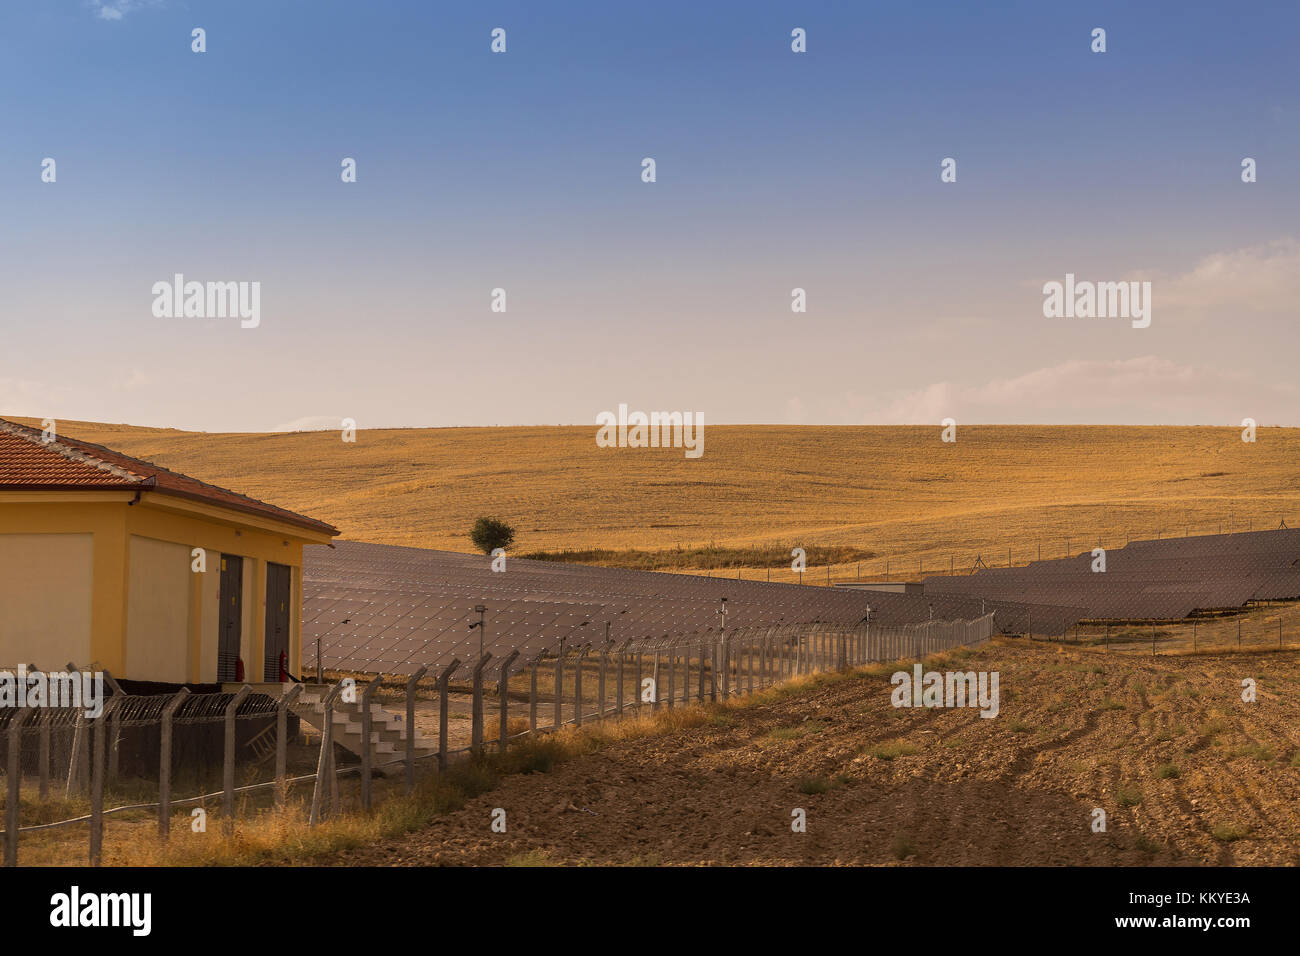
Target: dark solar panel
column 393, row 609
column 1158, row 579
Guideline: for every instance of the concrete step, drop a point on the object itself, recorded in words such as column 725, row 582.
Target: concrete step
column 388, row 731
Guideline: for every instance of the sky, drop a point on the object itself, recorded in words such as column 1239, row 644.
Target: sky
column 522, row 171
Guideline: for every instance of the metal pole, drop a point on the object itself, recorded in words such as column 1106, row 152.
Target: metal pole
column 476, row 705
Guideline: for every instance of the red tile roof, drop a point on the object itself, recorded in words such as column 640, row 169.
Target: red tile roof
column 29, row 463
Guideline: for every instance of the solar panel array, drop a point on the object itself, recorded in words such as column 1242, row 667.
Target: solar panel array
column 388, row 609
column 1158, row 579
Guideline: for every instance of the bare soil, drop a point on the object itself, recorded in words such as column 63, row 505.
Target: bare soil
column 1187, row 773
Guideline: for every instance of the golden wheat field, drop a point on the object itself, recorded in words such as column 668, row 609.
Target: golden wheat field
column 876, row 493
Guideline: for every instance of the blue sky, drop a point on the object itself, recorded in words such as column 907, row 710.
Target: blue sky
column 522, row 171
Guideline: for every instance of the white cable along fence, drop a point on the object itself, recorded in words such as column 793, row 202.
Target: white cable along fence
column 170, row 752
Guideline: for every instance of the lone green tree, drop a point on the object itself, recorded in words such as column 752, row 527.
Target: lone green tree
column 490, row 533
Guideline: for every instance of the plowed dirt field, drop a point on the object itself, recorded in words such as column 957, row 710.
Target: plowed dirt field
column 1185, row 770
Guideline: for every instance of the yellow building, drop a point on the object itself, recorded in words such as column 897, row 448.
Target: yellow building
column 149, row 574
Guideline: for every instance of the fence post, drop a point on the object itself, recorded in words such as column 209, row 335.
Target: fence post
column 14, row 776
column 654, row 680
column 99, row 732
column 443, row 678
column 476, row 705
column 503, row 692
column 672, row 672
column 577, row 686
column 228, row 763
column 736, row 656
column 43, row 743
column 604, row 665
column 752, row 650
column 282, row 742
column 726, row 666
column 636, row 688
column 367, row 753
column 79, row 757
column 715, row 655
column 686, row 670
column 114, row 726
column 532, row 694
column 558, row 706
column 165, row 762
column 411, row 683
column 324, row 763
column 622, row 654
column 739, row 641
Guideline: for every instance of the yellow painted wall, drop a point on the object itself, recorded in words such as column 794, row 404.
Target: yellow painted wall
column 139, row 601
column 158, row 645
column 46, row 593
column 102, row 515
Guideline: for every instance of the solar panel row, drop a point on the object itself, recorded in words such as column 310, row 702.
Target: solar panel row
column 1153, row 579
column 389, row 609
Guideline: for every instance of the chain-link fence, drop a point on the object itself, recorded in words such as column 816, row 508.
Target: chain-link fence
column 69, row 770
column 1257, row 627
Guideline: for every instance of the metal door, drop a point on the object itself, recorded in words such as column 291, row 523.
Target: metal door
column 277, row 620
column 232, row 616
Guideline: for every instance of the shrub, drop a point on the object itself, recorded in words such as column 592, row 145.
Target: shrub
column 489, row 534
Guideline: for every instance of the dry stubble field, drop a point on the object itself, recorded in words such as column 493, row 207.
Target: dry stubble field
column 896, row 492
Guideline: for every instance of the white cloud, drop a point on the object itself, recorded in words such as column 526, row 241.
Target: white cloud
column 1261, row 278
column 311, row 423
column 117, row 9
column 1133, row 391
